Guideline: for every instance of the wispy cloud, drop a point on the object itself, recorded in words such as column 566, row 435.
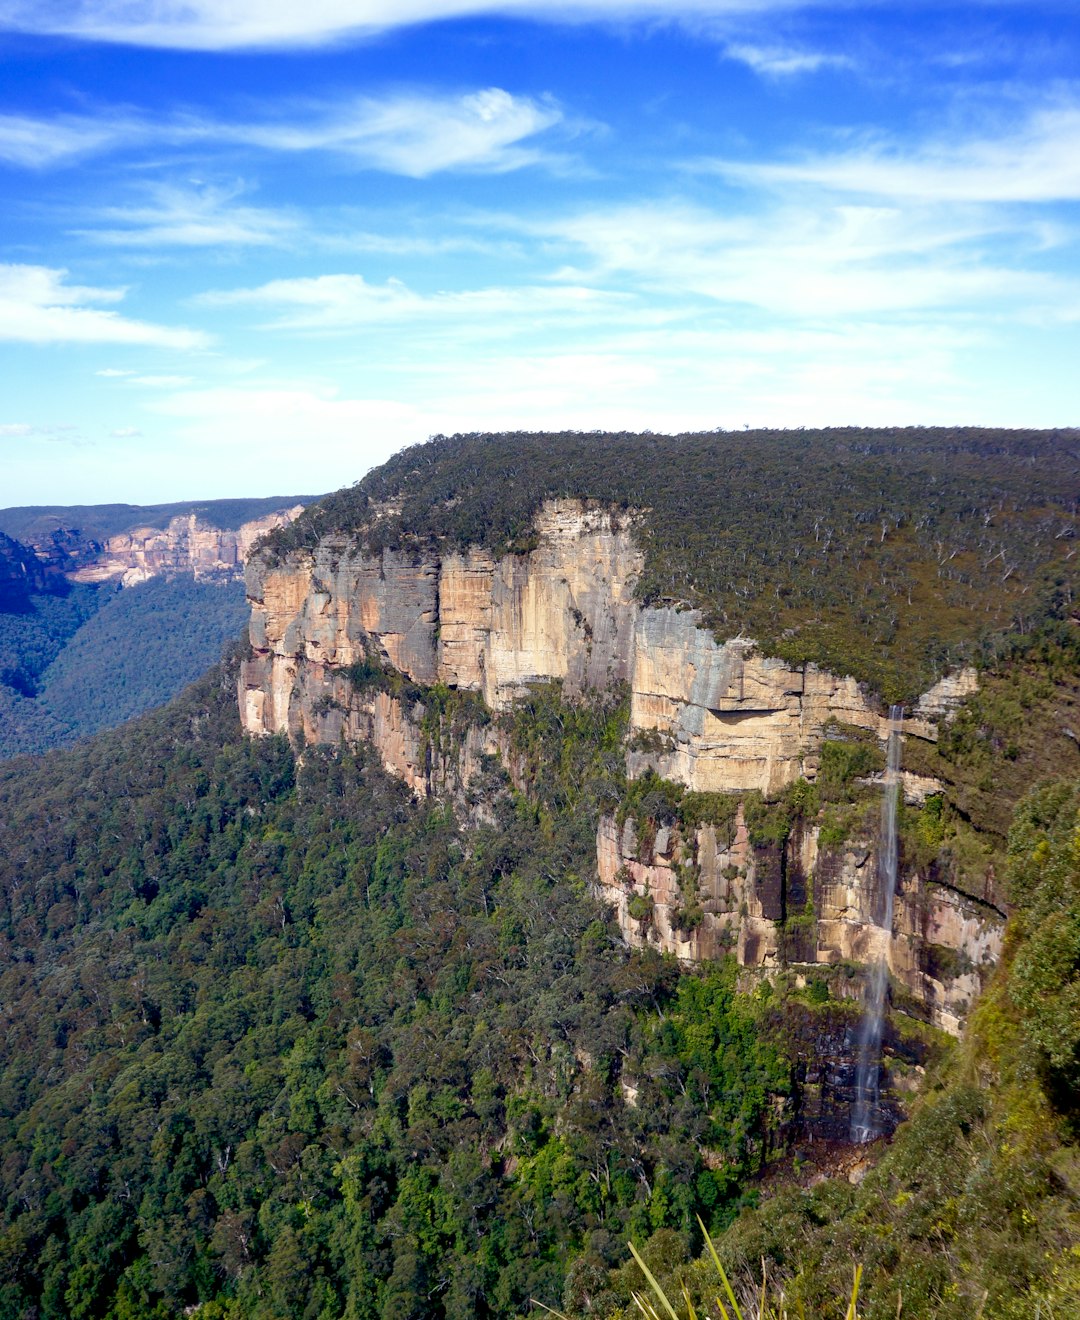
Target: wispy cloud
column 418, row 135
column 62, row 433
column 1035, row 160
column 338, row 302
column 211, row 25
column 776, row 61
column 39, row 306
column 46, row 143
column 205, row 215
column 822, row 262
column 411, row 133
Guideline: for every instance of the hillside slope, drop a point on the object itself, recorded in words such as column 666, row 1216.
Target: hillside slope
column 145, row 646
column 285, row 1035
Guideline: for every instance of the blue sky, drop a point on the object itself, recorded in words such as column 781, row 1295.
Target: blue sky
column 256, row 246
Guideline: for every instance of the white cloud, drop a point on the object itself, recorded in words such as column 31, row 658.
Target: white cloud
column 125, row 433
column 412, row 133
column 804, row 261
column 1037, row 160
column 417, row 135
column 41, row 143
column 783, row 61
column 38, row 306
column 195, row 216
column 15, row 429
column 334, row 302
column 212, row 25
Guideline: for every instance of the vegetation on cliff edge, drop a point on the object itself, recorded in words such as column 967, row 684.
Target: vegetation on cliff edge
column 974, row 1210
column 889, row 554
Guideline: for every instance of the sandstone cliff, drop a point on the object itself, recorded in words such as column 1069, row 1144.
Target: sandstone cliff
column 186, row 544
column 703, row 893
column 713, row 716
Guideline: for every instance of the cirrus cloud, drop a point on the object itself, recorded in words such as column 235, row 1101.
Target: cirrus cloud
column 211, row 25
column 339, row 302
column 411, row 133
column 1035, row 160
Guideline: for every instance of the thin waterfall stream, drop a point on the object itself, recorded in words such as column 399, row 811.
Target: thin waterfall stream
column 866, row 1115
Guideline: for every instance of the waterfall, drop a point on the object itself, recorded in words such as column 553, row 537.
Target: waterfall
column 865, row 1118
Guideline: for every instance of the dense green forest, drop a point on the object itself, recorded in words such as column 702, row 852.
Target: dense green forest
column 148, row 642
column 278, row 1039
column 975, row 1208
column 34, row 629
column 98, row 522
column 80, row 658
column 280, row 1042
column 890, row 554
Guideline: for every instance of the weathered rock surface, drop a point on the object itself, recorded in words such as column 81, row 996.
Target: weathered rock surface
column 185, row 545
column 804, row 905
column 565, row 611
column 714, row 716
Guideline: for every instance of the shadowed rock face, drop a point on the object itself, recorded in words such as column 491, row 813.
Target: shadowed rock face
column 20, row 574
column 715, row 716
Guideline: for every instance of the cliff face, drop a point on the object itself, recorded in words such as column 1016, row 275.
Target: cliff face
column 713, row 716
column 185, row 545
column 20, row 573
column 565, row 611
column 702, row 894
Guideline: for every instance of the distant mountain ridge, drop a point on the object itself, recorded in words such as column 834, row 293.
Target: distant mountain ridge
column 30, row 522
column 58, row 570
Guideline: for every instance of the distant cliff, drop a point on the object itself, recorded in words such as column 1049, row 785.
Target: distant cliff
column 21, row 573
column 185, row 545
column 130, row 543
column 76, row 655
column 712, row 717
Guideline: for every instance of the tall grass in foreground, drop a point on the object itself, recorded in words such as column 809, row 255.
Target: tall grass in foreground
column 764, row 1306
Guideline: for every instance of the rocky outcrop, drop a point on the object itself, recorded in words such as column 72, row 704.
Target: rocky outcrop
column 725, row 718
column 716, row 716
column 339, row 633
column 710, row 891
column 186, row 545
column 465, row 619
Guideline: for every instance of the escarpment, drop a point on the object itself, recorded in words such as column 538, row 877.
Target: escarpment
column 187, row 544
column 350, row 643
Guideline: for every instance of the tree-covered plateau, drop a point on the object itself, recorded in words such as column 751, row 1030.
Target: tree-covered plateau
column 889, row 554
column 98, row 522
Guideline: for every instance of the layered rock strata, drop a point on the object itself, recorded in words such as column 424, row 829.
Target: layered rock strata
column 185, row 545
column 714, row 716
column 701, row 894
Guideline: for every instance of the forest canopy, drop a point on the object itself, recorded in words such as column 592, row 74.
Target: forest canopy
column 889, row 554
